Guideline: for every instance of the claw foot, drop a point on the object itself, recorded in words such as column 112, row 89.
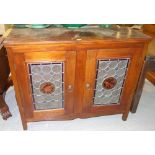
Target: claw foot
column 5, row 113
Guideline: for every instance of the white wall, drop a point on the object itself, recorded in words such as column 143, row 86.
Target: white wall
column 2, row 29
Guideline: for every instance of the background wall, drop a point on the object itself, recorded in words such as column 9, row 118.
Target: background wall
column 4, row 27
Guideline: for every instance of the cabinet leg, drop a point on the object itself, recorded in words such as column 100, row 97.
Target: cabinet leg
column 24, row 126
column 24, row 122
column 125, row 116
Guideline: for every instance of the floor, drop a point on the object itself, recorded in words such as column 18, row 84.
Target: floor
column 144, row 119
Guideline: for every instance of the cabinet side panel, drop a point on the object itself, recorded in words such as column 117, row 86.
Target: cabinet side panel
column 16, row 87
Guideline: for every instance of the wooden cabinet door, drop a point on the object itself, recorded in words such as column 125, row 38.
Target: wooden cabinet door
column 46, row 83
column 110, row 79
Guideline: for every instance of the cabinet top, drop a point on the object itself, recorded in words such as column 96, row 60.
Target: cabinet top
column 66, row 35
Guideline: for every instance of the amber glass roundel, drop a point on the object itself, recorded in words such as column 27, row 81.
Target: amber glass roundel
column 47, row 88
column 109, row 83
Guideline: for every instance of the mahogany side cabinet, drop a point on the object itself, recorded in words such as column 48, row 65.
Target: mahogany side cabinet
column 62, row 73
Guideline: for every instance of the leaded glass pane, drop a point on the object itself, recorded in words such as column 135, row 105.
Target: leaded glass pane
column 47, row 85
column 109, row 81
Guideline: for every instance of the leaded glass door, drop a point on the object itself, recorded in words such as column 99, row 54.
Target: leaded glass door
column 107, row 80
column 48, row 82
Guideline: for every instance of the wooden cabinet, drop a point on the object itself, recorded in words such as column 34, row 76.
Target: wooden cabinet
column 65, row 73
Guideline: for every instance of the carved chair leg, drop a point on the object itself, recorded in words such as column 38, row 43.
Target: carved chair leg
column 4, row 109
column 9, row 83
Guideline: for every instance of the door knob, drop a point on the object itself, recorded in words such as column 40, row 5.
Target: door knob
column 87, row 86
column 70, row 88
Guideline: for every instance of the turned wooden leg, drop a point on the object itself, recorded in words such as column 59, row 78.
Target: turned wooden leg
column 4, row 109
